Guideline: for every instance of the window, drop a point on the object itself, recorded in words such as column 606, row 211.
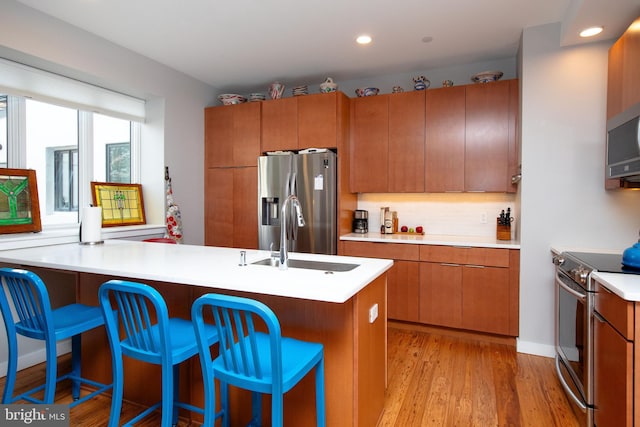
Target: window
column 65, row 170
column 68, row 148
column 118, row 163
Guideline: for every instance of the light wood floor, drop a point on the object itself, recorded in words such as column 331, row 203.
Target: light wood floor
column 433, row 380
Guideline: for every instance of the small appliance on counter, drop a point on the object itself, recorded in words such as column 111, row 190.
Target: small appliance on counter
column 360, row 221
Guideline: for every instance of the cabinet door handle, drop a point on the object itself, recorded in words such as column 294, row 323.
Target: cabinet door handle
column 475, row 266
column 446, row 264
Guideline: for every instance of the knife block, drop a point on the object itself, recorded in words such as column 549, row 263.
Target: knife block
column 503, row 232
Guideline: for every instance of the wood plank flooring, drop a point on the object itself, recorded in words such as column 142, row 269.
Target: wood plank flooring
column 433, row 380
column 442, row 380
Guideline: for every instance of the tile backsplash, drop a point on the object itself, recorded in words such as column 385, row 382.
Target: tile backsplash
column 454, row 214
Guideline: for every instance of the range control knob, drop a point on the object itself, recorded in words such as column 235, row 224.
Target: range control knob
column 580, row 275
column 557, row 260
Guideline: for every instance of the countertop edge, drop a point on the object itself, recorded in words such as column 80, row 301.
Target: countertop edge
column 444, row 240
column 626, row 286
column 204, row 266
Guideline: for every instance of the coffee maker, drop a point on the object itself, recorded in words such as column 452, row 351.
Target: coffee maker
column 360, row 221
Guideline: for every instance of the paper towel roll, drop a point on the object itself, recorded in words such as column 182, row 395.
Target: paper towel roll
column 91, row 225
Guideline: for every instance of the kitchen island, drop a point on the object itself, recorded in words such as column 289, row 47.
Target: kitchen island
column 346, row 311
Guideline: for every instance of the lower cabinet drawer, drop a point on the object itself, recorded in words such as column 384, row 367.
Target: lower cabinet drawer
column 491, row 257
column 396, row 251
column 618, row 312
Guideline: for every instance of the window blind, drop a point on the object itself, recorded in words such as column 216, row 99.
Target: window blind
column 22, row 80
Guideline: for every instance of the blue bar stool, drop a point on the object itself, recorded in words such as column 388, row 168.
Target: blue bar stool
column 132, row 332
column 35, row 319
column 255, row 361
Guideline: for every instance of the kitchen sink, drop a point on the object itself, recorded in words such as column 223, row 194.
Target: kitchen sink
column 310, row 265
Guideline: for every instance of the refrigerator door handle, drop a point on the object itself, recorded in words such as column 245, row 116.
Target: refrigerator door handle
column 293, row 185
column 293, row 219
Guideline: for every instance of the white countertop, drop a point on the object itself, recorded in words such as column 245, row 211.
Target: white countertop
column 204, row 266
column 626, row 286
column 431, row 239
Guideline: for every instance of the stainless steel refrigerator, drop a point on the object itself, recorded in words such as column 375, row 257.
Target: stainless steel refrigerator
column 312, row 178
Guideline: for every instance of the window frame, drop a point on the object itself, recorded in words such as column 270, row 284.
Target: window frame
column 17, row 147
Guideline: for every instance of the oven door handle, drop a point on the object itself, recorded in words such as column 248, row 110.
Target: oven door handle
column 566, row 387
column 581, row 297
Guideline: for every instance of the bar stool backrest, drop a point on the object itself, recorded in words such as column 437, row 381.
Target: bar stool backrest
column 139, row 308
column 31, row 303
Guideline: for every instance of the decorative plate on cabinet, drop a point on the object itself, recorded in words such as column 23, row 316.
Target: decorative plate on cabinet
column 486, row 76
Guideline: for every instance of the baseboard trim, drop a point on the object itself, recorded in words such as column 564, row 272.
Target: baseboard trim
column 36, row 357
column 458, row 333
column 535, row 348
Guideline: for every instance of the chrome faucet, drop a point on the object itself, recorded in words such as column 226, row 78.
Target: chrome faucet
column 284, row 253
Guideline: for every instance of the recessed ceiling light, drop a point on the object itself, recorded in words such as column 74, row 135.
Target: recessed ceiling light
column 591, row 31
column 363, row 39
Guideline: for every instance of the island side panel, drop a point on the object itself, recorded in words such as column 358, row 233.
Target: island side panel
column 371, row 352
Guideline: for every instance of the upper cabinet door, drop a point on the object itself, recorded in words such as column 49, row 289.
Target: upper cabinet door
column 369, row 144
column 444, row 157
column 232, row 135
column 487, row 137
column 631, row 68
column 406, row 142
column 280, row 124
column 318, row 120
column 615, row 79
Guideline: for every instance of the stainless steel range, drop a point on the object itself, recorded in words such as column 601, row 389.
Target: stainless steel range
column 575, row 300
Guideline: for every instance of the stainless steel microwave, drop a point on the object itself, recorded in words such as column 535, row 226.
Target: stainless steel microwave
column 623, row 145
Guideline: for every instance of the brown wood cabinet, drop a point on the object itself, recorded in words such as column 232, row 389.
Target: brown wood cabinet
column 406, row 142
column 280, row 124
column 623, row 87
column 232, row 135
column 461, row 138
column 402, row 279
column 403, row 291
column 486, row 165
column 231, row 207
column 369, row 151
column 310, row 121
column 387, row 143
column 615, row 372
column 445, row 133
column 441, row 294
column 472, row 288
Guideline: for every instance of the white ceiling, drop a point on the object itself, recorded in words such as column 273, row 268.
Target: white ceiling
column 238, row 44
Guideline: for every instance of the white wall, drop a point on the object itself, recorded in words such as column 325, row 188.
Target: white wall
column 563, row 201
column 174, row 130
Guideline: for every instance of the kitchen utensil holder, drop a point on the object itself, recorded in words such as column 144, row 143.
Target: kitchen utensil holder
column 503, row 232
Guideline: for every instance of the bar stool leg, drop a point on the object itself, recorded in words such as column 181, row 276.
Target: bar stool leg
column 52, row 368
column 76, row 357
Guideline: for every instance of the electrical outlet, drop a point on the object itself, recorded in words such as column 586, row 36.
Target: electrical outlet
column 373, row 313
column 483, row 218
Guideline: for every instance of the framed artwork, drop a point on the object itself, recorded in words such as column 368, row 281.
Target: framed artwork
column 121, row 204
column 19, row 207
